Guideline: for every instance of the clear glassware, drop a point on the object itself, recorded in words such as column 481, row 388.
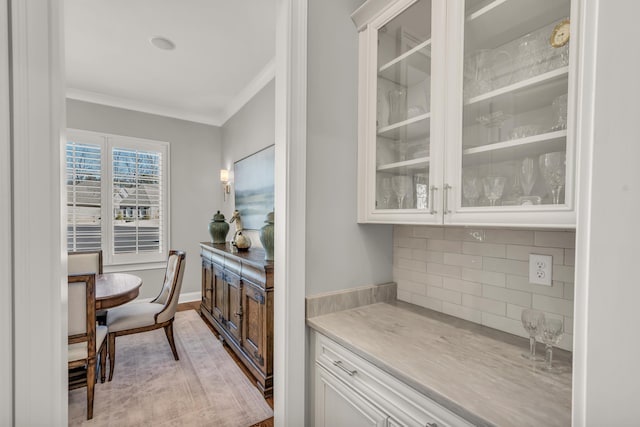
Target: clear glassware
column 550, row 334
column 493, row 188
column 528, row 175
column 481, row 73
column 553, row 169
column 529, row 58
column 402, row 185
column 559, row 107
column 397, row 105
column 493, row 122
column 532, row 322
column 386, row 193
column 471, row 189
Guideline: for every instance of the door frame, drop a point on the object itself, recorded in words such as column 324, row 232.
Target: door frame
column 290, row 348
column 39, row 287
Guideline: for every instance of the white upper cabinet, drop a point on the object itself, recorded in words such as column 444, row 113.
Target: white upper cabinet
column 466, row 112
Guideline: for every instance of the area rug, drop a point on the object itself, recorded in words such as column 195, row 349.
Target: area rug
column 149, row 388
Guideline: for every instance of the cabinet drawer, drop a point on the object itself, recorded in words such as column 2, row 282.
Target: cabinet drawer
column 405, row 405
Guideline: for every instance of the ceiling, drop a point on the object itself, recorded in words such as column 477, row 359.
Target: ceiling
column 223, row 56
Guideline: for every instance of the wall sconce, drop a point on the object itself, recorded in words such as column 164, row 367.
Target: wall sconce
column 224, row 178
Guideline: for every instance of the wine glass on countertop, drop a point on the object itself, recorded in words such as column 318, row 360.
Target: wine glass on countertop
column 550, row 334
column 532, row 323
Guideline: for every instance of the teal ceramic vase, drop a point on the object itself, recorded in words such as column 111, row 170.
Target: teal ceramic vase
column 218, row 228
column 266, row 237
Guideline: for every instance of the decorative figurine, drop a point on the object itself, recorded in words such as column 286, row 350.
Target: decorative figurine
column 240, row 241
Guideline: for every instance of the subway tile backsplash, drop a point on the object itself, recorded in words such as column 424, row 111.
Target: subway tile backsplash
column 481, row 275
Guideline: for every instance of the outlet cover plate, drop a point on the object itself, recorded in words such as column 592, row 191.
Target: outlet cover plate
column 540, row 269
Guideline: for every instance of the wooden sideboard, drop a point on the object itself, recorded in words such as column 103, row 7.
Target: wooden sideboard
column 237, row 298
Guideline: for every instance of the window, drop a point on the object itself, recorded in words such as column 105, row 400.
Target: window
column 117, row 197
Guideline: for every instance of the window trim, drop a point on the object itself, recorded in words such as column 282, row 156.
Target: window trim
column 107, row 142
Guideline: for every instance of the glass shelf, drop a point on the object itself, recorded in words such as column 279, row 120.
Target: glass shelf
column 405, row 166
column 410, row 68
column 500, row 21
column 414, row 128
column 517, row 148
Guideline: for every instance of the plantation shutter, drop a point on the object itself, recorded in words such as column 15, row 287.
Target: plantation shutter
column 137, row 201
column 84, row 201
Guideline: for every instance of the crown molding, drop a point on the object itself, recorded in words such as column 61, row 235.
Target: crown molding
column 261, row 79
column 129, row 104
column 245, row 95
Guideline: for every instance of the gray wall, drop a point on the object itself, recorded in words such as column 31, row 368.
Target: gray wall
column 194, row 189
column 340, row 253
column 250, row 130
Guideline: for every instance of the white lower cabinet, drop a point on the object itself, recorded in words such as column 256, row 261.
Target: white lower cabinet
column 350, row 391
column 337, row 405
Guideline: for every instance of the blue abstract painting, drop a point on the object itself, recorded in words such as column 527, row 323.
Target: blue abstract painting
column 254, row 187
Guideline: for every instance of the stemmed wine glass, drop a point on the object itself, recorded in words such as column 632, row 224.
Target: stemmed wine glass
column 401, row 185
column 532, row 321
column 493, row 123
column 387, row 192
column 559, row 106
column 493, row 188
column 527, row 175
column 552, row 167
column 471, row 189
column 550, row 335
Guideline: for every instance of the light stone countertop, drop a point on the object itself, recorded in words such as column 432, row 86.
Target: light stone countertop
column 474, row 371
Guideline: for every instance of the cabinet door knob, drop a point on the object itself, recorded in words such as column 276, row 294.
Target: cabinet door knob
column 338, row 363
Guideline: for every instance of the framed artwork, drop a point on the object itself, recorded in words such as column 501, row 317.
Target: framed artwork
column 254, row 185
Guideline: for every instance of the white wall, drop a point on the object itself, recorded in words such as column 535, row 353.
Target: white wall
column 340, row 253
column 608, row 241
column 250, row 130
column 195, row 184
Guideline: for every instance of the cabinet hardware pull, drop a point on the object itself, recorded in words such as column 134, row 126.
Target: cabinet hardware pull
column 433, row 190
column 432, row 424
column 338, row 363
column 446, row 187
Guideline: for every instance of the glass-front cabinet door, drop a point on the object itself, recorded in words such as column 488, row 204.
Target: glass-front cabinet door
column 512, row 154
column 399, row 68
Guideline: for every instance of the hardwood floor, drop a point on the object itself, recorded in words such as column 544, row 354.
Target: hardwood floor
column 195, row 305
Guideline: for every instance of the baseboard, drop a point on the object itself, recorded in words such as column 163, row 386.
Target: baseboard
column 190, row 297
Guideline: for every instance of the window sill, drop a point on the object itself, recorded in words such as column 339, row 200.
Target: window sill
column 120, row 268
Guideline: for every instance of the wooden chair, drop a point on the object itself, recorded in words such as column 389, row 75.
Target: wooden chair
column 85, row 338
column 138, row 317
column 87, row 262
column 84, row 262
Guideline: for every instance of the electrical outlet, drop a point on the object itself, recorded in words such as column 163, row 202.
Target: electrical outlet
column 540, row 269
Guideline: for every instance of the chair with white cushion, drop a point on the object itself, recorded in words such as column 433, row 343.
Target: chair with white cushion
column 87, row 262
column 138, row 317
column 86, row 339
column 84, row 262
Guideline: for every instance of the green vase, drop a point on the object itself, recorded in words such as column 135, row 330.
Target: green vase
column 266, row 237
column 218, row 228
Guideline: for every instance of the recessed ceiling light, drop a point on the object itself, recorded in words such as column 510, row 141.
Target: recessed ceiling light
column 162, row 43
